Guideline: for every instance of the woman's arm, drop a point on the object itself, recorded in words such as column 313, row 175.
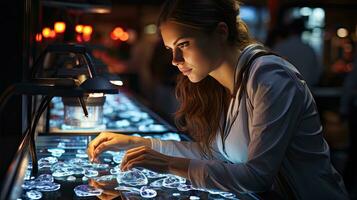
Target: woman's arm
column 184, row 149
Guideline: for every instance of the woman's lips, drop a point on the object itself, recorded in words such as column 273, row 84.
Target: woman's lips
column 186, row 71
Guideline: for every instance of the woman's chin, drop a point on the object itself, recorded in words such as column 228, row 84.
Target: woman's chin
column 194, row 79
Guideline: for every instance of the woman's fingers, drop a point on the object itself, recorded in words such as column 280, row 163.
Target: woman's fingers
column 106, row 145
column 145, row 157
column 135, row 152
column 94, row 143
column 135, row 162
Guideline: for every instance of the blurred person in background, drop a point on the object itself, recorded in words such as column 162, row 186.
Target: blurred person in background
column 348, row 112
column 300, row 54
column 254, row 121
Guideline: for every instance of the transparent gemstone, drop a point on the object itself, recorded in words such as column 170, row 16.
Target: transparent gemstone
column 118, row 156
column 106, row 178
column 56, row 155
column 100, row 165
column 122, row 123
column 40, row 185
column 176, row 194
column 76, row 170
column 146, row 192
column 133, row 177
column 46, row 162
column 227, row 195
column 84, row 179
column 61, row 173
column 82, row 155
column 78, row 162
column 27, row 174
column 107, row 160
column 47, row 186
column 173, row 181
column 184, row 187
column 56, row 150
column 115, row 170
column 214, row 191
column 151, row 174
column 29, row 185
column 71, row 178
column 60, row 166
column 86, row 191
column 33, row 194
column 194, row 197
column 61, row 145
column 81, row 151
column 45, row 178
column 157, row 183
column 90, row 172
column 126, row 188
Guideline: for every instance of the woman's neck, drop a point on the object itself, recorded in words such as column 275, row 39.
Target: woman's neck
column 224, row 74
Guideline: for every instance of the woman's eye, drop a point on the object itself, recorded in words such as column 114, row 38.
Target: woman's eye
column 183, row 44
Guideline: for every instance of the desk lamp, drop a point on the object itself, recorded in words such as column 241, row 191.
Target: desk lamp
column 60, row 83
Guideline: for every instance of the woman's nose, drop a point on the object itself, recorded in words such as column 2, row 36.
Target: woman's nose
column 177, row 57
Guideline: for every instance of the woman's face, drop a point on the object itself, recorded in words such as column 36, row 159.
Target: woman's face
column 195, row 53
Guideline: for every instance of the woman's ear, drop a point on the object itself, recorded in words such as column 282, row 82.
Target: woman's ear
column 222, row 31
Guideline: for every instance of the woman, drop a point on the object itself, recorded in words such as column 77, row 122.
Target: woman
column 252, row 134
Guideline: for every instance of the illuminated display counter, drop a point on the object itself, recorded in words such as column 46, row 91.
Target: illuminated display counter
column 66, row 173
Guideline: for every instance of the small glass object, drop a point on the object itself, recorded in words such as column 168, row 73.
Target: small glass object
column 152, row 174
column 146, row 192
column 133, row 177
column 71, row 178
column 45, row 178
column 173, row 181
column 157, row 183
column 33, row 194
column 74, row 116
column 46, row 162
column 87, row 191
column 91, row 172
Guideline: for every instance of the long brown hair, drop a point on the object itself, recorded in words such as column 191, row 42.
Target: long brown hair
column 203, row 104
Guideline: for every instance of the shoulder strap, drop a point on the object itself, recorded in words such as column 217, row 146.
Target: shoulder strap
column 247, row 57
column 249, row 54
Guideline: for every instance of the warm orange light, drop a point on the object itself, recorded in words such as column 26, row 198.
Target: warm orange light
column 113, row 36
column 52, row 34
column 79, row 28
column 60, row 27
column 118, row 31
column 38, row 37
column 87, row 30
column 46, row 32
column 86, row 38
column 124, row 37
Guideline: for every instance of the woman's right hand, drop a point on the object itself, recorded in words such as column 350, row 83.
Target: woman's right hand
column 113, row 141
